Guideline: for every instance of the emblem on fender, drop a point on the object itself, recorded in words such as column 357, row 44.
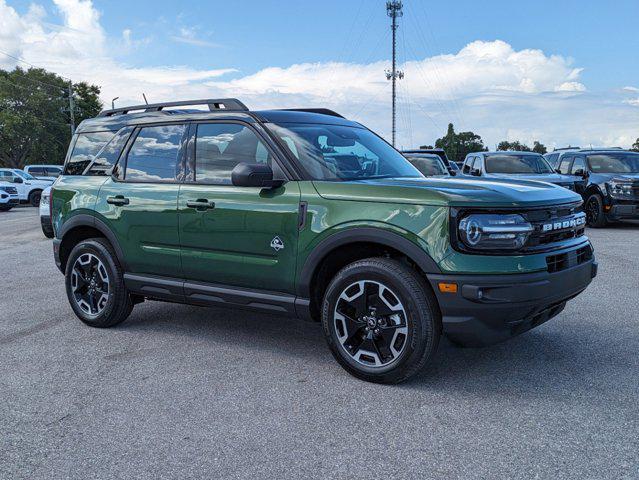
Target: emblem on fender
column 277, row 244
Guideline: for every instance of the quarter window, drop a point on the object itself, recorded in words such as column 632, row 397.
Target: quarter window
column 85, row 147
column 154, row 155
column 219, row 147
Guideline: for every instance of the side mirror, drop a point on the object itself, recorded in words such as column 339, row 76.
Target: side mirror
column 475, row 172
column 579, row 172
column 17, row 180
column 254, row 175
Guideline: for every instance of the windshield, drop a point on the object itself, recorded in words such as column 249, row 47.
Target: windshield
column 428, row 165
column 512, row 163
column 332, row 152
column 618, row 162
column 24, row 175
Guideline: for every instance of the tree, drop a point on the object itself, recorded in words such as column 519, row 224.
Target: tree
column 515, row 146
column 635, row 146
column 34, row 115
column 458, row 145
column 539, row 148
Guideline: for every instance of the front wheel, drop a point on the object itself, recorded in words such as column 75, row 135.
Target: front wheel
column 95, row 284
column 381, row 320
column 34, row 198
column 595, row 215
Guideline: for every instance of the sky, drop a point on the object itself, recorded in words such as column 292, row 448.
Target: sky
column 563, row 73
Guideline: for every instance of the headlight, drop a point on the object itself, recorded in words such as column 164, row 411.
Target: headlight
column 494, row 232
column 620, row 189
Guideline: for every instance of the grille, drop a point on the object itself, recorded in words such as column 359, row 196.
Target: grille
column 557, row 263
column 11, row 190
column 555, row 225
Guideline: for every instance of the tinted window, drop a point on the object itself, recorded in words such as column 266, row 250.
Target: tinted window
column 512, row 163
column 37, row 171
column 219, row 147
column 332, row 152
column 578, row 164
column 106, row 158
column 552, row 158
column 429, row 165
column 85, row 147
column 154, row 155
column 564, row 165
column 53, row 171
column 622, row 162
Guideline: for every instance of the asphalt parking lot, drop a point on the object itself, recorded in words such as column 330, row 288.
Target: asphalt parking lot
column 187, row 392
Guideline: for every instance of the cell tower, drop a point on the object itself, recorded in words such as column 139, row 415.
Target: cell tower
column 394, row 10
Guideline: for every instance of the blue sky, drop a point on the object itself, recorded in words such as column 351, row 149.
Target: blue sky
column 503, row 69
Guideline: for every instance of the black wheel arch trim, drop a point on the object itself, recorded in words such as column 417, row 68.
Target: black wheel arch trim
column 362, row 234
column 86, row 220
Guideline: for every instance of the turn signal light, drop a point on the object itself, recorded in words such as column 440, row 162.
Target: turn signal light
column 447, row 287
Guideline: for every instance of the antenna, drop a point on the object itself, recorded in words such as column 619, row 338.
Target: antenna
column 113, row 102
column 394, row 10
column 145, row 100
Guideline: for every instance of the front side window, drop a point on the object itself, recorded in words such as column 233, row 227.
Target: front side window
column 578, row 166
column 512, row 163
column 37, row 171
column 341, row 153
column 617, row 162
column 219, row 147
column 154, row 155
column 85, row 147
column 564, row 165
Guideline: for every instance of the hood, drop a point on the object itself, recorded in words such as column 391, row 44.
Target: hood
column 539, row 177
column 624, row 177
column 448, row 192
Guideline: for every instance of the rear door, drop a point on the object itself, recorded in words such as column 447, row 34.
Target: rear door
column 239, row 236
column 139, row 201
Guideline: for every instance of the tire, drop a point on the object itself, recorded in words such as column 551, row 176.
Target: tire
column 396, row 345
column 112, row 301
column 47, row 228
column 595, row 215
column 34, row 198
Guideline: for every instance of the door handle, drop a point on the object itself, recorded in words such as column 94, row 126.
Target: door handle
column 200, row 204
column 117, row 200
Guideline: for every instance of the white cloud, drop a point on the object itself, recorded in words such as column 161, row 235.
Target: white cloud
column 488, row 86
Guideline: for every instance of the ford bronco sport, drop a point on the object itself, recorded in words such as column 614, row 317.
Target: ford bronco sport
column 305, row 213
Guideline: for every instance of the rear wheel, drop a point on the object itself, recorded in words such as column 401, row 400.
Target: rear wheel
column 381, row 320
column 34, row 197
column 594, row 211
column 95, row 284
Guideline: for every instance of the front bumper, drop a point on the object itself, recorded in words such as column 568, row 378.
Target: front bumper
column 624, row 209
column 488, row 309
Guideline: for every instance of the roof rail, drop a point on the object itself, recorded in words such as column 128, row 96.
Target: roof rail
column 566, row 148
column 213, row 103
column 323, row 111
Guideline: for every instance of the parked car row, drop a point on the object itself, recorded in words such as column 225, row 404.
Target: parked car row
column 28, row 188
column 607, row 179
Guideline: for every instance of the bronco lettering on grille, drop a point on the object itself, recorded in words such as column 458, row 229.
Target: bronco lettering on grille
column 563, row 224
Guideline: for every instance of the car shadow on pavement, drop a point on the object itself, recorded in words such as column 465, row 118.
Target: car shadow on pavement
column 543, row 362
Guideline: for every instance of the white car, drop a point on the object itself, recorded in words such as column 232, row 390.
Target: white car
column 8, row 196
column 45, row 213
column 29, row 188
column 44, row 172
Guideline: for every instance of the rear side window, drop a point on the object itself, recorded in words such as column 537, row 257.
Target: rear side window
column 36, row 171
column 84, row 149
column 154, row 155
column 219, row 147
column 106, row 158
column 53, row 172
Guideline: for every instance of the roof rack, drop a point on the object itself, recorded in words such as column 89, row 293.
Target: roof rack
column 323, row 111
column 213, row 103
column 566, row 148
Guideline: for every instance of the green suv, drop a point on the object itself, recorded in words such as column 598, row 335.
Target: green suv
column 307, row 214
